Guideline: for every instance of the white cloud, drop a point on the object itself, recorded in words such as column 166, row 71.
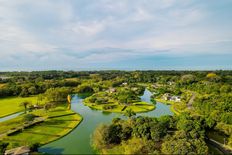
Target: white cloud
column 81, row 29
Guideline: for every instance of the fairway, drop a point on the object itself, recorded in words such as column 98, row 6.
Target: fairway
column 11, row 105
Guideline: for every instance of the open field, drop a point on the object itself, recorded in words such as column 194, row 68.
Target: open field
column 11, row 105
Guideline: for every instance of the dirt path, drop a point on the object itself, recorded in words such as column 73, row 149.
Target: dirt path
column 190, row 102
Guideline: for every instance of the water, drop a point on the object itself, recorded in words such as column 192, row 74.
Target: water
column 10, row 116
column 79, row 140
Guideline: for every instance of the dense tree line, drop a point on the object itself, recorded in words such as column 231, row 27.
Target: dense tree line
column 168, row 135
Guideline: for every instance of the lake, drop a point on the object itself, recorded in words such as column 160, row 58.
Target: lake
column 79, row 140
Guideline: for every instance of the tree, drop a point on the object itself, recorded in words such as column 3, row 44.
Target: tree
column 84, row 89
column 57, row 94
column 157, row 131
column 188, row 79
column 32, row 90
column 225, row 89
column 139, row 146
column 40, row 98
column 213, row 77
column 113, row 134
column 98, row 137
column 3, row 147
column 181, row 145
column 25, row 105
column 129, row 113
column 34, row 147
column 29, row 117
column 24, row 93
column 126, row 132
column 49, row 105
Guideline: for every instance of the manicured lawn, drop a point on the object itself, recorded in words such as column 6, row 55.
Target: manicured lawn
column 62, row 121
column 164, row 101
column 11, row 105
column 136, row 107
column 10, row 124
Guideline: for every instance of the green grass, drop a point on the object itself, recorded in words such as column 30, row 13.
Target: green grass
column 10, row 124
column 165, row 101
column 11, row 105
column 49, row 130
column 136, row 107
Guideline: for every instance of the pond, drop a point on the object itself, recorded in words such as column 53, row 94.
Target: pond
column 79, row 140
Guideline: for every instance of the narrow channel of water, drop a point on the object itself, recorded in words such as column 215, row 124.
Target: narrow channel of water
column 79, row 140
column 11, row 116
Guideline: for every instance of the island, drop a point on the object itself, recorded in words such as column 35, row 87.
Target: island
column 120, row 100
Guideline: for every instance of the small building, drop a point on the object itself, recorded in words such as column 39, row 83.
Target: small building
column 23, row 150
column 111, row 90
column 167, row 96
column 155, row 86
column 124, row 83
column 171, row 83
column 175, row 98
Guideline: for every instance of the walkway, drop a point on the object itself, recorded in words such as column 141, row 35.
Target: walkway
column 190, row 102
column 37, row 120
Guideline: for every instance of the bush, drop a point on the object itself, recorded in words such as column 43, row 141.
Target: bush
column 34, row 147
column 107, row 107
column 84, row 89
column 29, row 117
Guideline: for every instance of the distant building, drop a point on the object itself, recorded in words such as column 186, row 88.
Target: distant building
column 124, row 83
column 175, row 98
column 171, row 83
column 169, row 97
column 23, row 150
column 111, row 90
column 155, row 86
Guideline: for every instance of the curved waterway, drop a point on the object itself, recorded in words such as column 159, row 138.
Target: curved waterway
column 79, row 140
column 2, row 119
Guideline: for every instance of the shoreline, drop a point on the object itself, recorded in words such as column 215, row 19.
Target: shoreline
column 66, row 133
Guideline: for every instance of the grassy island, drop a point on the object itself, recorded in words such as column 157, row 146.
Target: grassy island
column 119, row 100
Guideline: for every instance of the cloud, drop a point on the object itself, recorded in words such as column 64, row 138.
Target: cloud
column 87, row 31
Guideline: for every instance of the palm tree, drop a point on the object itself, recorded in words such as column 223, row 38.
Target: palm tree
column 25, row 104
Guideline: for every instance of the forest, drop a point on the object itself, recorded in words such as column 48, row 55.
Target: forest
column 200, row 100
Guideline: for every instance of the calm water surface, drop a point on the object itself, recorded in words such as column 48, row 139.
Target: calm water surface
column 79, row 140
column 10, row 116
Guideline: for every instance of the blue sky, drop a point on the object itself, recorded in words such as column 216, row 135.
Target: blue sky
column 115, row 34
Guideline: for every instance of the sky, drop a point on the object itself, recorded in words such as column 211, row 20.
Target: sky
column 115, row 34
